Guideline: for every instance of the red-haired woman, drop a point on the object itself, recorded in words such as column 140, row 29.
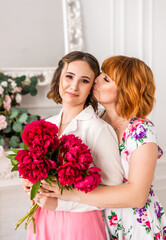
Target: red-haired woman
column 126, row 90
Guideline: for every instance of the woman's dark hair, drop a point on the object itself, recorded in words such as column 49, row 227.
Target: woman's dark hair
column 71, row 57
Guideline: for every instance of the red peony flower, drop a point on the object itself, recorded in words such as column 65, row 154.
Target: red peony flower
column 90, row 181
column 69, row 173
column 32, row 168
column 74, row 150
column 68, row 159
column 41, row 134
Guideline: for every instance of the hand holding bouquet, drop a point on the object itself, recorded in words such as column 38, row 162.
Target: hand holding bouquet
column 45, row 156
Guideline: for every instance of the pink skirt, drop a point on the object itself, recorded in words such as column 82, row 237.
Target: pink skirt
column 52, row 225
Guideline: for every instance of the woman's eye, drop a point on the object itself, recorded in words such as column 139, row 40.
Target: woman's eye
column 85, row 81
column 106, row 79
column 69, row 76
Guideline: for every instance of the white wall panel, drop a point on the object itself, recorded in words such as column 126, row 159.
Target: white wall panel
column 134, row 28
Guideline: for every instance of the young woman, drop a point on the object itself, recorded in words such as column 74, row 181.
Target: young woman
column 126, row 90
column 71, row 85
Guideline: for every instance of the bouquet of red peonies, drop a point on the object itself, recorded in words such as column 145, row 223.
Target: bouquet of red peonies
column 46, row 157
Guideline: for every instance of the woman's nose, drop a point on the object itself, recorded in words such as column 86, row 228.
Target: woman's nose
column 74, row 85
column 96, row 80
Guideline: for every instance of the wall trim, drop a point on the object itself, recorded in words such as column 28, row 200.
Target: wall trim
column 44, row 74
column 72, row 25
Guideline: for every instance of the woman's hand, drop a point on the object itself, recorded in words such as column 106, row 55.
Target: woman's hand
column 26, row 185
column 48, row 203
column 50, row 191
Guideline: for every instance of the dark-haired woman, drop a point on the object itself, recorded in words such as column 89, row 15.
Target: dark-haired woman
column 71, row 85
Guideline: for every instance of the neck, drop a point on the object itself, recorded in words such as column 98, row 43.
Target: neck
column 69, row 113
column 118, row 123
column 111, row 117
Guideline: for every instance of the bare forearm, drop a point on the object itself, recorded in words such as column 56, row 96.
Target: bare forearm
column 121, row 196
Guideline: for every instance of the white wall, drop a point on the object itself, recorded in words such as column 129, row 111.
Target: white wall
column 133, row 28
column 31, row 33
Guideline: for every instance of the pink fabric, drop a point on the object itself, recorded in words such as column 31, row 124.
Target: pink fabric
column 52, row 225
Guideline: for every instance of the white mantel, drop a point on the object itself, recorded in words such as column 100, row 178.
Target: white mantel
column 8, row 178
column 14, row 203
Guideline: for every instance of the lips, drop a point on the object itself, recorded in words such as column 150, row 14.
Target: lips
column 72, row 94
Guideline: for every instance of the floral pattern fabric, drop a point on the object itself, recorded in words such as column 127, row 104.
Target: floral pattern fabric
column 149, row 222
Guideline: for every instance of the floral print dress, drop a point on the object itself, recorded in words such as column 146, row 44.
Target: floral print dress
column 149, row 222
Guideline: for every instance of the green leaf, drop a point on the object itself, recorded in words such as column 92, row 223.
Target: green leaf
column 21, row 145
column 32, row 118
column 48, row 181
column 25, row 146
column 25, row 89
column 17, row 126
column 7, row 130
column 2, row 142
column 11, row 156
column 51, row 177
column 23, row 110
column 33, row 92
column 14, row 112
column 19, row 80
column 23, row 118
column 14, row 162
column 35, row 188
column 60, row 186
column 34, row 81
column 14, row 169
column 13, row 142
column 15, row 150
column 1, row 101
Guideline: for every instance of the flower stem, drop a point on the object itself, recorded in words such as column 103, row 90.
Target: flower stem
column 28, row 217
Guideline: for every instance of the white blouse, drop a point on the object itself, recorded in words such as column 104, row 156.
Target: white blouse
column 102, row 140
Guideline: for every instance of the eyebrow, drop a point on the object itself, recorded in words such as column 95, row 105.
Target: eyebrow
column 81, row 76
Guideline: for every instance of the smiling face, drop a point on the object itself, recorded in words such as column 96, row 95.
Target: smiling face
column 105, row 90
column 75, row 83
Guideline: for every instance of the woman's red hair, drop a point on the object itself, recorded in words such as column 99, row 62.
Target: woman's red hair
column 135, row 83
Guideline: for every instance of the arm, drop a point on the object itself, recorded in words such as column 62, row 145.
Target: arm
column 132, row 194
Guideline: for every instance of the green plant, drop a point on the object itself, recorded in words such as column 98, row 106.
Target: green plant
column 12, row 118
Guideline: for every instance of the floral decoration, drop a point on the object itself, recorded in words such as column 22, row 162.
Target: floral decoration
column 12, row 117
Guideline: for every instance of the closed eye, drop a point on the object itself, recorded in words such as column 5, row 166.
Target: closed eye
column 106, row 79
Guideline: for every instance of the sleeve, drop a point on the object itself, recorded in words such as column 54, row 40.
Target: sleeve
column 106, row 156
column 143, row 133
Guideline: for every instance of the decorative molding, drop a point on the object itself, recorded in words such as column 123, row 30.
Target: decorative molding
column 7, row 174
column 72, row 25
column 122, row 26
column 150, row 48
column 44, row 75
column 5, row 171
column 112, row 27
column 140, row 28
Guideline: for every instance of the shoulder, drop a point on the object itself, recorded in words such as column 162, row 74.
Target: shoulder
column 102, row 130
column 140, row 131
column 52, row 119
column 139, row 128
